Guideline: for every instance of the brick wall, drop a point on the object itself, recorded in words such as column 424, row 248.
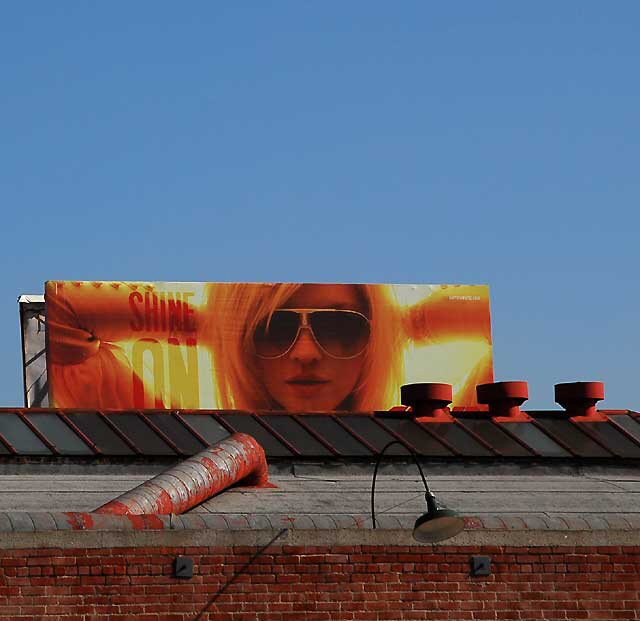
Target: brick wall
column 286, row 583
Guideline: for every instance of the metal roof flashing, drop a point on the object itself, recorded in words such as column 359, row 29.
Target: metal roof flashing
column 465, row 434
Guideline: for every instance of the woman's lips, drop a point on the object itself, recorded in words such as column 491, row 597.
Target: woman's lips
column 306, row 386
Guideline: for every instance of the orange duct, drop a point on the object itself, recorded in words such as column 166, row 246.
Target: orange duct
column 182, row 487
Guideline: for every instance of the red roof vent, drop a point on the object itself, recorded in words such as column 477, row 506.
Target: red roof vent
column 579, row 399
column 504, row 400
column 428, row 401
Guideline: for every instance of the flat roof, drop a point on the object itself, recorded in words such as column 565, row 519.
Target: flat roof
column 328, row 497
column 545, row 480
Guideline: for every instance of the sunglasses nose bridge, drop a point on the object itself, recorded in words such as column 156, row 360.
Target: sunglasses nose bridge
column 304, row 325
column 305, row 347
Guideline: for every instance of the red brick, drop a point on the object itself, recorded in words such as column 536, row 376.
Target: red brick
column 303, row 583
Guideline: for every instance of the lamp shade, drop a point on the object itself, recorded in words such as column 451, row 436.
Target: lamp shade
column 437, row 525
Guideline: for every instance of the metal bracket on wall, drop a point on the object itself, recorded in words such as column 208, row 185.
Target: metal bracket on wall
column 183, row 567
column 480, row 565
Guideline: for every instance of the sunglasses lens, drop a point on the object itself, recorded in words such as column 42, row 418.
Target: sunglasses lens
column 273, row 337
column 340, row 333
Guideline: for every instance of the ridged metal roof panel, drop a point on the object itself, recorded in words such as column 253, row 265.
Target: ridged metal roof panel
column 494, row 435
column 19, row 436
column 65, row 440
column 571, row 436
column 613, row 438
column 325, row 436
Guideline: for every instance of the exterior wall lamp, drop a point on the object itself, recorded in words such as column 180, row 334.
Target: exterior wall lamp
column 434, row 525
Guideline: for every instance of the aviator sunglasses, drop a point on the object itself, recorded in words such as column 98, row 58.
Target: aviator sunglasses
column 341, row 334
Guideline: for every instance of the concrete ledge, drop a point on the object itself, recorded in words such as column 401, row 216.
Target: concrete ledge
column 15, row 521
column 94, row 539
column 95, row 530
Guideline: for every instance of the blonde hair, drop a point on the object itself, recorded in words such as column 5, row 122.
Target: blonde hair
column 232, row 314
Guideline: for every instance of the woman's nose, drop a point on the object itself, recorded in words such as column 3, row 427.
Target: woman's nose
column 305, row 349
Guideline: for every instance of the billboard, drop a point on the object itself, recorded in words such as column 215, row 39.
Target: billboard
column 262, row 346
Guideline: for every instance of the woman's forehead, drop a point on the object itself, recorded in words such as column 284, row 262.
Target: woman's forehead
column 326, row 296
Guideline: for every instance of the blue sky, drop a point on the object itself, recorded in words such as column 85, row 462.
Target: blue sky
column 420, row 142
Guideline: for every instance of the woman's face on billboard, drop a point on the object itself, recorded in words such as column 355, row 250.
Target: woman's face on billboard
column 310, row 352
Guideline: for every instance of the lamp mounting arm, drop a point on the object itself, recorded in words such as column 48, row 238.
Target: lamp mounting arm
column 429, row 497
